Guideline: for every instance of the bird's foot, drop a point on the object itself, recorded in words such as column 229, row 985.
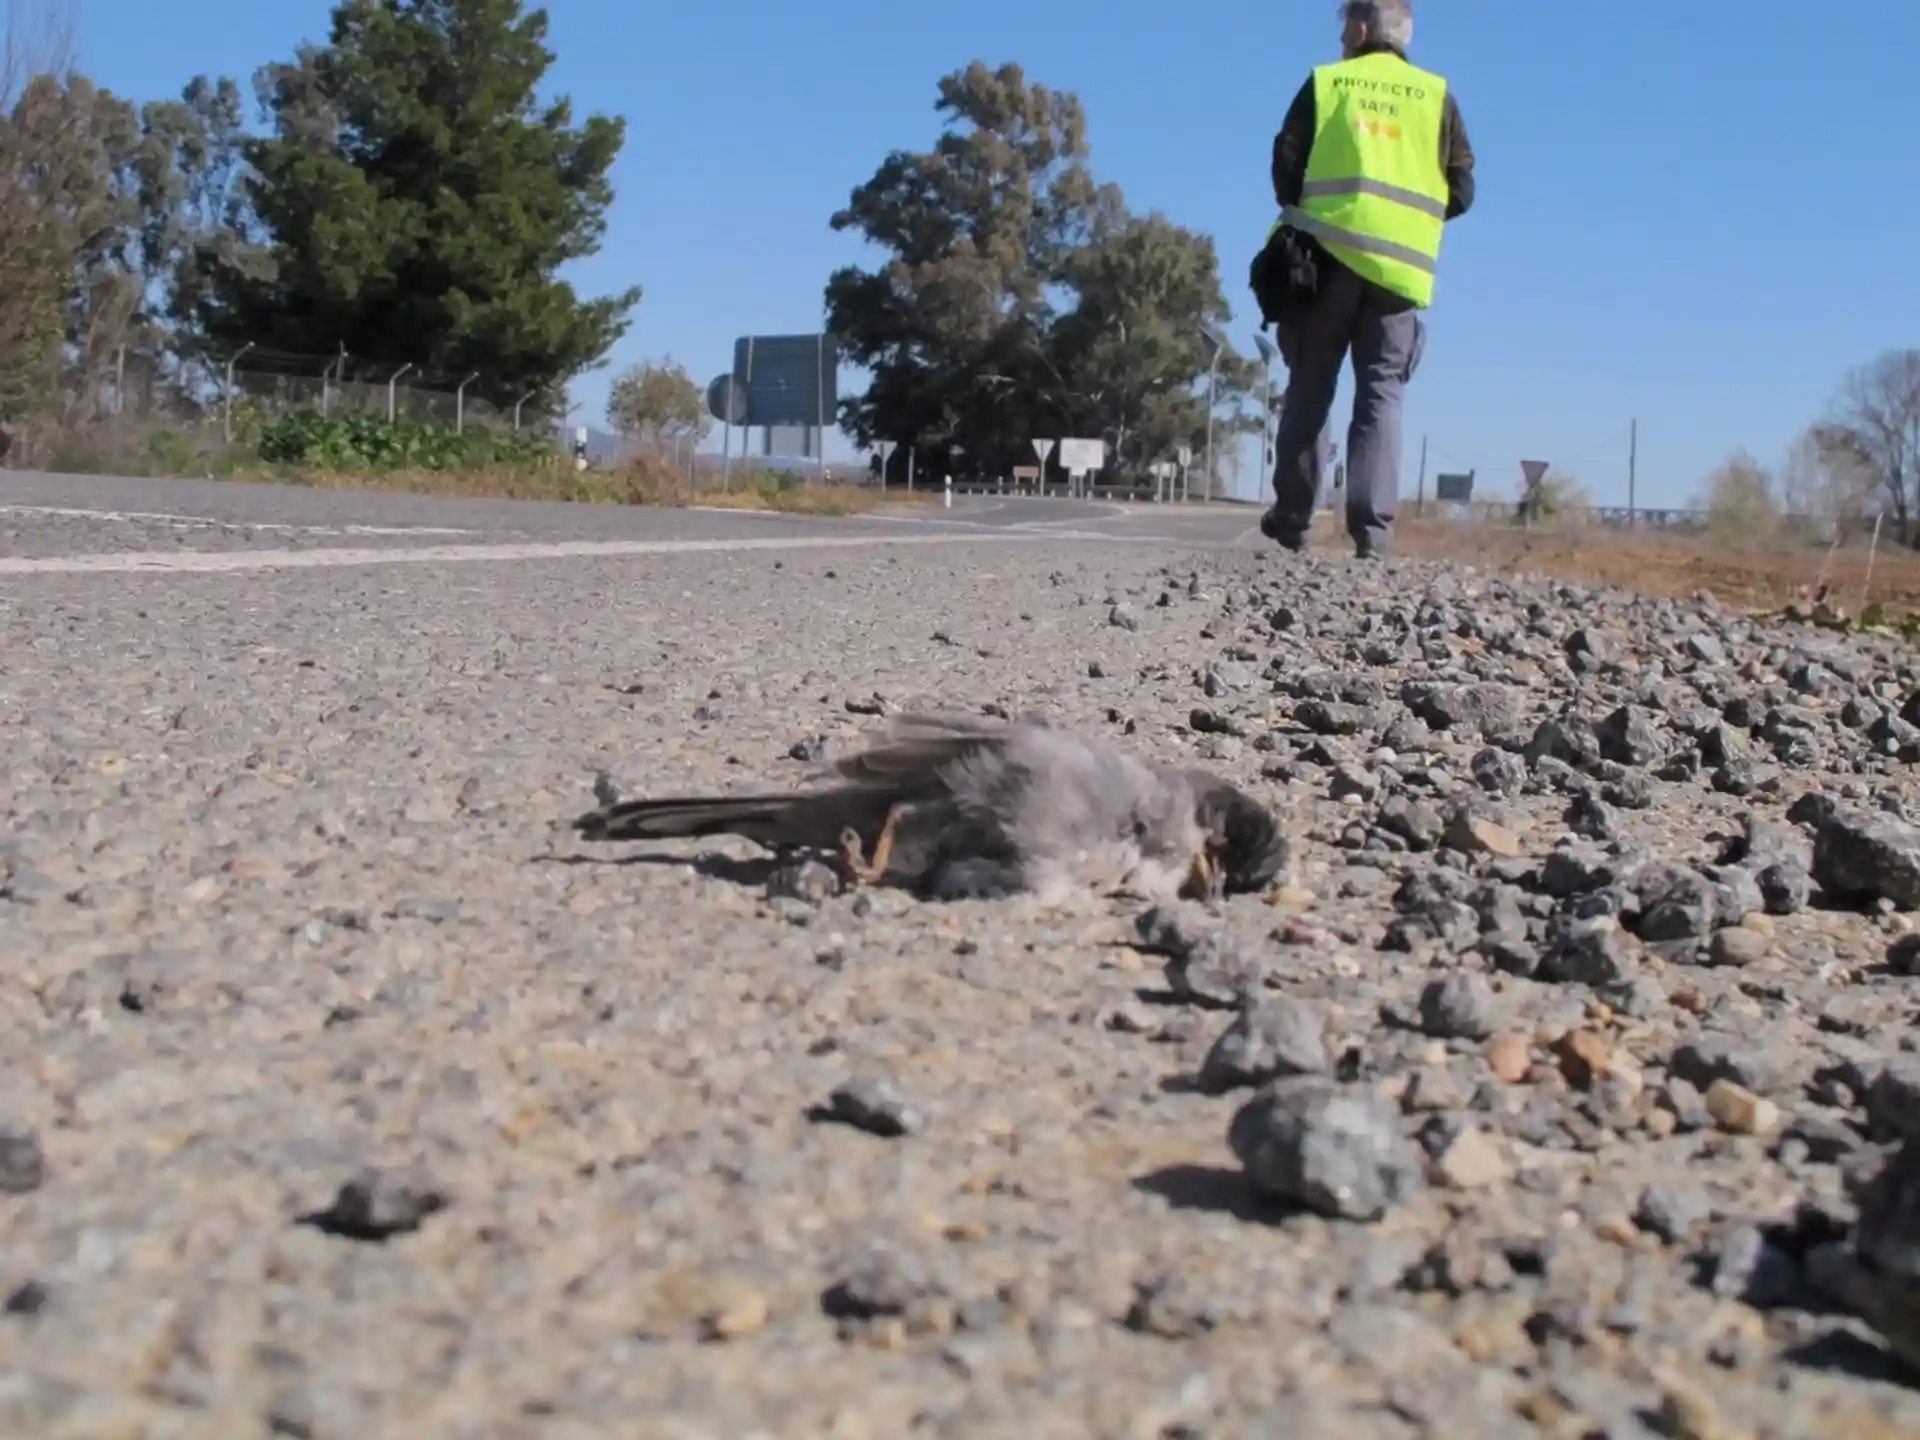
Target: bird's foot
column 860, row 869
column 853, row 856
column 1207, row 880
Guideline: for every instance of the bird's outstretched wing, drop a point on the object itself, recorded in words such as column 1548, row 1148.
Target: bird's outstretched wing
column 913, row 751
column 809, row 820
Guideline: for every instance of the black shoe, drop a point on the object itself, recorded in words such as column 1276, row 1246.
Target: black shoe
column 1285, row 539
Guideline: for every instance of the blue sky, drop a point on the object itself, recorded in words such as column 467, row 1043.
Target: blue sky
column 1698, row 215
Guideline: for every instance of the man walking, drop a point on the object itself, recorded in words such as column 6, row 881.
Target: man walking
column 1370, row 163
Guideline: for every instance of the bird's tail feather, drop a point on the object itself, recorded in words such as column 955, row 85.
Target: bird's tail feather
column 770, row 820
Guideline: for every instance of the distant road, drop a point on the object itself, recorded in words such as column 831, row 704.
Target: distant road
column 81, row 522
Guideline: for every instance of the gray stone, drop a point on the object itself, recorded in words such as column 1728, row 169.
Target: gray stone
column 1222, row 972
column 1478, row 709
column 1335, row 1150
column 23, row 1163
column 1458, row 1007
column 1627, row 737
column 1892, row 1101
column 1672, row 1212
column 1860, row 858
column 1267, row 1040
column 1594, row 955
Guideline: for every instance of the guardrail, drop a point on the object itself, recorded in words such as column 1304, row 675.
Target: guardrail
column 1670, row 519
column 1485, row 511
column 1147, row 492
column 1619, row 517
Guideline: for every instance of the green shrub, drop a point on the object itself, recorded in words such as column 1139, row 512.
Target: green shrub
column 372, row 442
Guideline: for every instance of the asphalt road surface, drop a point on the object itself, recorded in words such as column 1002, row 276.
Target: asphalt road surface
column 344, row 1092
column 62, row 522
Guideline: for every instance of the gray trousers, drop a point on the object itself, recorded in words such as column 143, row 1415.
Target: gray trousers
column 1387, row 338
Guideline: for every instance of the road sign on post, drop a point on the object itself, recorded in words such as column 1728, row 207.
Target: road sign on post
column 787, row 379
column 1083, row 455
column 727, row 401
column 1534, row 472
column 1162, row 472
column 1081, row 458
column 886, row 449
column 1453, row 489
column 1042, row 448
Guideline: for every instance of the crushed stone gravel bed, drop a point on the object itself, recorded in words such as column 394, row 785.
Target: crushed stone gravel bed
column 1567, row 1086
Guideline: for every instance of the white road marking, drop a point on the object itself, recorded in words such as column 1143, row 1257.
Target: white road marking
column 1115, row 511
column 210, row 562
column 169, row 518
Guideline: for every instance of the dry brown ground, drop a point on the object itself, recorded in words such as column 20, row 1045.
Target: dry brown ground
column 1758, row 575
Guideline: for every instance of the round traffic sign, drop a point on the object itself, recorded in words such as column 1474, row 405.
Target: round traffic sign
column 727, row 400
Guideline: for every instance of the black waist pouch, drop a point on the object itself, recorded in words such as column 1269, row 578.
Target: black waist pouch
column 1285, row 275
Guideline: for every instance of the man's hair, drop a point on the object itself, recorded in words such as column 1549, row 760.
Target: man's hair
column 1388, row 21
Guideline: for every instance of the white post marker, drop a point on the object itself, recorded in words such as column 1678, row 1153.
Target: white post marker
column 946, row 502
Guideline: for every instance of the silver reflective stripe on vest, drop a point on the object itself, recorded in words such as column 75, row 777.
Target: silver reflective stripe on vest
column 1412, row 199
column 1333, row 235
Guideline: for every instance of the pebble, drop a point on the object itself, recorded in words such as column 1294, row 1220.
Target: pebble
column 1738, row 947
column 1473, row 1161
column 1510, row 1057
column 1739, row 1111
column 379, row 1203
column 875, row 1105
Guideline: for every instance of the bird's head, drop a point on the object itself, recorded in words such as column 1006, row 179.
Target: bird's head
column 1245, row 845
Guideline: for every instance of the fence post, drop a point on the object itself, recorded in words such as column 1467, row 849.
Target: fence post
column 1873, row 551
column 227, row 404
column 393, row 381
column 460, row 404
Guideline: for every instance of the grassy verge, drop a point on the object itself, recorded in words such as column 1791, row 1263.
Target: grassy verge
column 638, row 484
column 1757, row 573
column 159, row 452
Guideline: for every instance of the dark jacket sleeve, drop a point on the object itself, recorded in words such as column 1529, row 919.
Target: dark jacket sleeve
column 1456, row 158
column 1292, row 147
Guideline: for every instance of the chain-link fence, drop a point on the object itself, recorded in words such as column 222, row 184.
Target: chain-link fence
column 140, row 412
column 275, row 383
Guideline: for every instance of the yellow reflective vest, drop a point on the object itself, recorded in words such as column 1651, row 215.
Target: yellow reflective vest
column 1376, row 193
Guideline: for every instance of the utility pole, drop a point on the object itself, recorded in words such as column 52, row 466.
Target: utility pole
column 1633, row 467
column 1420, row 495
